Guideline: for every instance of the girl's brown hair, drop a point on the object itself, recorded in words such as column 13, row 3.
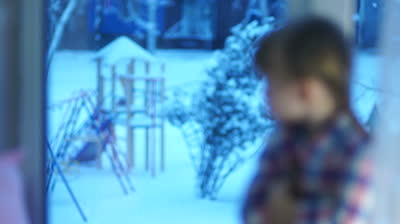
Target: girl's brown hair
column 311, row 47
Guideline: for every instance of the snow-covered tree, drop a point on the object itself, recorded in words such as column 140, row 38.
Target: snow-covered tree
column 224, row 116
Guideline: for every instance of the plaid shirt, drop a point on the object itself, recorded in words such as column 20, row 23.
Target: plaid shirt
column 326, row 177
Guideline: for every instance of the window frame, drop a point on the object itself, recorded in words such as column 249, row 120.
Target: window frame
column 23, row 95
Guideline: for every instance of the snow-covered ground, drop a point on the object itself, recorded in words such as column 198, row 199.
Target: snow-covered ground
column 170, row 197
column 365, row 84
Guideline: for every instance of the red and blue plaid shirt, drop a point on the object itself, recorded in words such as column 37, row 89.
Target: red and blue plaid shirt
column 328, row 174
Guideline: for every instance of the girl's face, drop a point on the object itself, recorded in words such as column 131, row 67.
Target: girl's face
column 281, row 93
column 307, row 100
column 285, row 100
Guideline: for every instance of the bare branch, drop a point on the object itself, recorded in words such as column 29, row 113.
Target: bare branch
column 55, row 41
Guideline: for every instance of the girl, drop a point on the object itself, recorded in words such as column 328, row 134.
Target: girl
column 315, row 168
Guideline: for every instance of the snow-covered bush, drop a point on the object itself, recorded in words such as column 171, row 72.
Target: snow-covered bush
column 223, row 119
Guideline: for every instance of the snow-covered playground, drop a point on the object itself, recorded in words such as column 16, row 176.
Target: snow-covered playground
column 171, row 196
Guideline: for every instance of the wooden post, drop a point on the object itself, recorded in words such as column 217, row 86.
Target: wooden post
column 162, row 68
column 162, row 125
column 147, row 64
column 146, row 97
column 148, row 154
column 130, row 99
column 131, row 67
column 130, row 129
column 147, row 93
column 153, row 152
column 99, row 153
column 154, row 133
column 131, row 71
column 113, row 88
column 147, row 165
column 100, row 82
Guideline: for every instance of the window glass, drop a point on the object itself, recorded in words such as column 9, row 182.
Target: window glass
column 154, row 109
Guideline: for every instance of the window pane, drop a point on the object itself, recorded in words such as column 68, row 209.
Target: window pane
column 154, row 109
column 155, row 113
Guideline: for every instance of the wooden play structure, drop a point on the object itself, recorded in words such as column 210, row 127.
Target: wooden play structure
column 130, row 84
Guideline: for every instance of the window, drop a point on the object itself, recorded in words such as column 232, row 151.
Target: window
column 142, row 96
column 132, row 132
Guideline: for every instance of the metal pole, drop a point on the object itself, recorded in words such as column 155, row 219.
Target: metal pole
column 98, row 122
column 65, row 181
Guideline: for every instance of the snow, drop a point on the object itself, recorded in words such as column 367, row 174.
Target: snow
column 365, row 85
column 171, row 197
column 123, row 48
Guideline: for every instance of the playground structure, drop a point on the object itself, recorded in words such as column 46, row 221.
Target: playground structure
column 130, row 94
column 131, row 85
column 90, row 130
